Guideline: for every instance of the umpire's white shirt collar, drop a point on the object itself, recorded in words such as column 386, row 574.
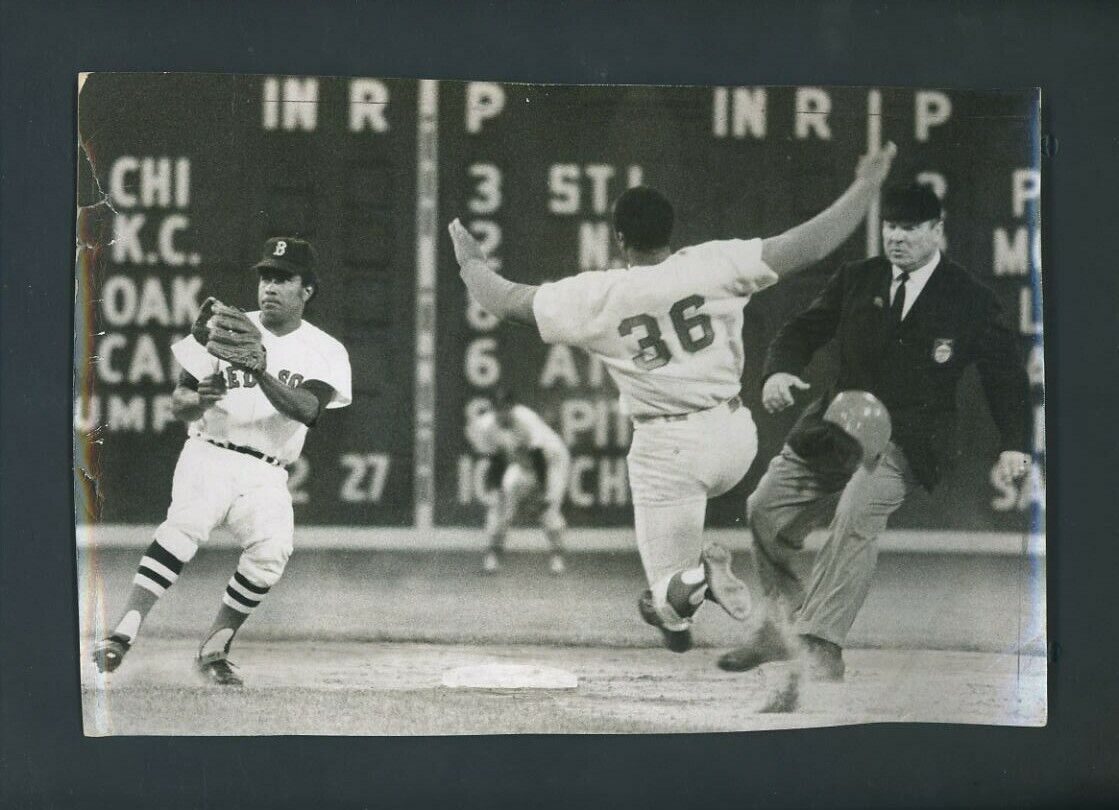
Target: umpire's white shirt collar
column 917, row 281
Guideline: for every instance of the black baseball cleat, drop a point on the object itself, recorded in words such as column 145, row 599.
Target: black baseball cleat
column 825, row 659
column 217, row 669
column 767, row 645
column 109, row 652
column 678, row 641
column 723, row 587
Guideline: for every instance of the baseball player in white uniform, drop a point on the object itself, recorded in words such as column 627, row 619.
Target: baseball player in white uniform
column 527, row 476
column 244, row 427
column 668, row 327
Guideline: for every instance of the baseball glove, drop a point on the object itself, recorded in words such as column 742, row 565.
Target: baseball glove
column 229, row 335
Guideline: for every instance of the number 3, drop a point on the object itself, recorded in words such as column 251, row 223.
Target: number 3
column 652, row 340
column 681, row 323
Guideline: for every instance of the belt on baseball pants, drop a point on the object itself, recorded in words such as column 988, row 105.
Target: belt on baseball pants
column 248, row 451
column 732, row 404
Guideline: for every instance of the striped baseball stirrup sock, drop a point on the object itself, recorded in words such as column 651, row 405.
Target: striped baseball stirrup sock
column 241, row 597
column 159, row 569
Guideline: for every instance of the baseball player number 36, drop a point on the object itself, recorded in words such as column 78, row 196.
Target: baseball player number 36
column 684, row 324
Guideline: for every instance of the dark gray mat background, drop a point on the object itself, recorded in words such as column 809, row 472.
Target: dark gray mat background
column 1067, row 48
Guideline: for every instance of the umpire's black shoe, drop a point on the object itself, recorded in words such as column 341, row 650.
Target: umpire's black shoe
column 767, row 645
column 217, row 669
column 723, row 587
column 109, row 652
column 825, row 659
column 679, row 641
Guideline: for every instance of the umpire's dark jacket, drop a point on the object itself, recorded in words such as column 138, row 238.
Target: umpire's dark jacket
column 914, row 368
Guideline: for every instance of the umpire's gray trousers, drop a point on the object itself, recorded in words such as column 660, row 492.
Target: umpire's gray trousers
column 789, row 501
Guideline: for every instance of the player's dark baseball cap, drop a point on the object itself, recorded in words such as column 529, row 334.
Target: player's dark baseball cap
column 914, row 203
column 290, row 255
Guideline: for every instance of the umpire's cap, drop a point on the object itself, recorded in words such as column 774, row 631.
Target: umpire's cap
column 863, row 417
column 914, row 203
column 290, row 255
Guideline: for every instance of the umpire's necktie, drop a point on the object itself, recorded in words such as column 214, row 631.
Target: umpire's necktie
column 897, row 306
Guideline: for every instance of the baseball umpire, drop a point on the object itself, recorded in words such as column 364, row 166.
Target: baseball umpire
column 907, row 325
column 251, row 385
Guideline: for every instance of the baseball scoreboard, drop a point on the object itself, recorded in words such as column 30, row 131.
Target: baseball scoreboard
column 182, row 178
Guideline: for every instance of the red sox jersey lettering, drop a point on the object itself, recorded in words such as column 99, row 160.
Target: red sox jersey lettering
column 236, row 378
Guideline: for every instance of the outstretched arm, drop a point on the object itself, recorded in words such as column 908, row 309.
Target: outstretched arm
column 811, row 241
column 499, row 296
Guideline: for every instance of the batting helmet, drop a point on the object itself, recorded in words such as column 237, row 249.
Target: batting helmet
column 863, row 417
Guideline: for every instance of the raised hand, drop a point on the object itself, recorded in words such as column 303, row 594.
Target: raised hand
column 467, row 248
column 875, row 166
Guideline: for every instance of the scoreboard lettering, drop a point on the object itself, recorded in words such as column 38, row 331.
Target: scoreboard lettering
column 743, row 112
column 586, row 189
column 484, row 100
column 292, row 104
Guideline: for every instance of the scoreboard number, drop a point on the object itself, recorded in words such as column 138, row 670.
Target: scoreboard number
column 365, row 478
column 487, row 197
column 482, row 366
column 479, row 318
column 488, row 234
column 297, row 477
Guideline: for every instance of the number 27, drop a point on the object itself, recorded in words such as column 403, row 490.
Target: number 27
column 654, row 351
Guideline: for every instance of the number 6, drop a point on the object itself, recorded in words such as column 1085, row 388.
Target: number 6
column 684, row 325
